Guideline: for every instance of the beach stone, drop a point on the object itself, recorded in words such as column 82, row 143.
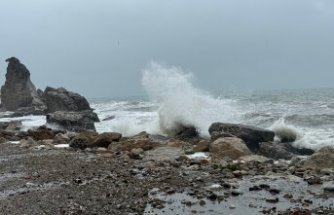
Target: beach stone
column 61, row 138
column 165, row 153
column 3, row 140
column 322, row 159
column 106, row 138
column 73, row 121
column 83, row 140
column 228, row 148
column 41, row 133
column 252, row 136
column 274, row 151
column 254, row 158
column 202, row 146
column 19, row 93
column 61, row 99
column 129, row 143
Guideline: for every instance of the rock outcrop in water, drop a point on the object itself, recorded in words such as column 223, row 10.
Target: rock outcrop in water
column 61, row 99
column 19, row 93
column 67, row 109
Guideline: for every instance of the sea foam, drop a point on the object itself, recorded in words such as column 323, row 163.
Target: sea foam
column 180, row 102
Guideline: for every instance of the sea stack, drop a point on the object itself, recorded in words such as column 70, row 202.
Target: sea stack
column 18, row 92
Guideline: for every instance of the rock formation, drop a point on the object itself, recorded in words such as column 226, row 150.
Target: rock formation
column 18, row 92
column 62, row 100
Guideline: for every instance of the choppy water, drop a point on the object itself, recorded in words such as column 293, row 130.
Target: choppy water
column 309, row 113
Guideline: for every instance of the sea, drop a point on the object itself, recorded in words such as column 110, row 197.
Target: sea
column 172, row 99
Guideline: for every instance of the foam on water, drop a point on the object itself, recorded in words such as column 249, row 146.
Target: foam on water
column 180, row 102
column 27, row 121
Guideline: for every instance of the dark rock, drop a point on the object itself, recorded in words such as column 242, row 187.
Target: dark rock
column 18, row 90
column 104, row 139
column 83, row 140
column 41, row 133
column 251, row 135
column 274, row 151
column 108, row 118
column 14, row 125
column 62, row 100
column 73, row 121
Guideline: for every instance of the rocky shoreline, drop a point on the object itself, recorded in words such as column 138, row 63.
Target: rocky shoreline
column 44, row 171
column 71, row 169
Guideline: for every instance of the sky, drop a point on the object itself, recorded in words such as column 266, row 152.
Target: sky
column 99, row 48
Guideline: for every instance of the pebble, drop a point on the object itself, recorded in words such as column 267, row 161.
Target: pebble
column 272, row 200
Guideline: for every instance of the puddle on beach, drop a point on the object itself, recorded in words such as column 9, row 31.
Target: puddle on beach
column 293, row 193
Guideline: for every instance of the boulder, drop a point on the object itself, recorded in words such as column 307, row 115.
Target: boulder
column 18, row 92
column 202, row 146
column 127, row 144
column 73, row 121
column 83, row 140
column 41, row 133
column 14, row 125
column 61, row 99
column 228, row 148
column 104, row 139
column 274, row 151
column 165, row 153
column 252, row 136
column 322, row 159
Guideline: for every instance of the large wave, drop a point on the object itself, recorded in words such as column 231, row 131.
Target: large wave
column 181, row 103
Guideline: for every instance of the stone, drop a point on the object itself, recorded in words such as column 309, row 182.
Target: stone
column 61, row 99
column 61, row 138
column 13, row 125
column 252, row 136
column 18, row 90
column 274, row 151
column 164, row 153
column 136, row 153
column 106, row 138
column 73, row 121
column 228, row 148
column 202, row 146
column 83, row 140
column 41, row 133
column 127, row 144
column 3, row 140
column 322, row 159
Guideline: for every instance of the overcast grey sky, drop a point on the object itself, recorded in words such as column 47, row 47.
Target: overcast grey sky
column 99, row 48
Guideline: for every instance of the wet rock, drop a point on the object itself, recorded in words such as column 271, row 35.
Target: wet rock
column 322, row 159
column 228, row 148
column 63, row 100
column 106, row 138
column 109, row 118
column 202, row 146
column 83, row 140
column 272, row 200
column 252, row 136
column 41, row 133
column 73, row 121
column 18, row 90
column 313, row 180
column 329, row 188
column 274, row 151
